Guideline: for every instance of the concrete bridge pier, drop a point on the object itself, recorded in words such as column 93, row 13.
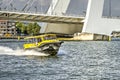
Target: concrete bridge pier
column 63, row 28
column 59, row 8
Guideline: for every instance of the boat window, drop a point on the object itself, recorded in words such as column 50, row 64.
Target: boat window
column 39, row 40
column 49, row 37
column 32, row 40
column 29, row 40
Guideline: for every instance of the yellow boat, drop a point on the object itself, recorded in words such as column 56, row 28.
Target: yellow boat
column 47, row 43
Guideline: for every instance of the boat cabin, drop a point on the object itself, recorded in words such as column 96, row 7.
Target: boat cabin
column 37, row 39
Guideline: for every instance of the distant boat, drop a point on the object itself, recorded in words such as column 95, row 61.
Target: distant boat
column 48, row 44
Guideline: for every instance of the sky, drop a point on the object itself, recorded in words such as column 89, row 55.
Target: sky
column 114, row 10
column 76, row 7
column 25, row 5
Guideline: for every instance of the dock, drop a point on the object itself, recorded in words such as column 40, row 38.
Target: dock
column 87, row 37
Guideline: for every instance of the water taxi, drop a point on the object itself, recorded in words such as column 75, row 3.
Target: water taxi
column 47, row 43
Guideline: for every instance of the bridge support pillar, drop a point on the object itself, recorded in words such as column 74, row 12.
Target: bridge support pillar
column 63, row 28
column 96, row 23
column 59, row 8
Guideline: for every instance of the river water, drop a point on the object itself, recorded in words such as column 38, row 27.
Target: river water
column 81, row 60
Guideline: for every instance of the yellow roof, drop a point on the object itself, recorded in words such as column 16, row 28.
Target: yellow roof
column 39, row 36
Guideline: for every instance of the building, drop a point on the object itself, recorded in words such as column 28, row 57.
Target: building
column 7, row 28
column 115, row 33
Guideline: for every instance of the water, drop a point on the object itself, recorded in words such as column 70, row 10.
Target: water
column 84, row 60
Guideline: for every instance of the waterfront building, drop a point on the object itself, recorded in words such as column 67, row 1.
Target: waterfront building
column 115, row 33
column 7, row 28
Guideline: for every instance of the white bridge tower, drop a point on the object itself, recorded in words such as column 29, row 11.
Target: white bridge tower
column 96, row 23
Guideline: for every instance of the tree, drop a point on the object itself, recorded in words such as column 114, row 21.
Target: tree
column 18, row 26
column 33, row 28
column 36, row 28
column 30, row 29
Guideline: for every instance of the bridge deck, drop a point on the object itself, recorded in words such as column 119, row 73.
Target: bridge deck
column 40, row 17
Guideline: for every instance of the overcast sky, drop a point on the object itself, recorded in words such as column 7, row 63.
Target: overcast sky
column 77, row 7
column 115, row 7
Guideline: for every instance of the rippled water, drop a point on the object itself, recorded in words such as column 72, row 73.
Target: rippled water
column 83, row 60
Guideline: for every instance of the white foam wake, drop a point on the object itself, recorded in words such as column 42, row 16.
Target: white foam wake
column 20, row 52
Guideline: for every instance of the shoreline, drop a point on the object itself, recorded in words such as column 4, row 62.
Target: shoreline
column 13, row 37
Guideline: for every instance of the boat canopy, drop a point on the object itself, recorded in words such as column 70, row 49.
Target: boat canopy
column 42, row 36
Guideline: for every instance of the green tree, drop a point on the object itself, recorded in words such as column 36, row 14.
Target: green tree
column 36, row 28
column 18, row 26
column 30, row 29
column 23, row 29
column 33, row 28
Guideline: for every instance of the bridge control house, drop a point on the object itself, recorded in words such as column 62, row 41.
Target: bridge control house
column 7, row 28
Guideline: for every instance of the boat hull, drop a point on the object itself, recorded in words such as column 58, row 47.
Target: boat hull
column 49, row 48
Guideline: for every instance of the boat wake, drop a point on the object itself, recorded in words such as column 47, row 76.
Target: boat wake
column 20, row 52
